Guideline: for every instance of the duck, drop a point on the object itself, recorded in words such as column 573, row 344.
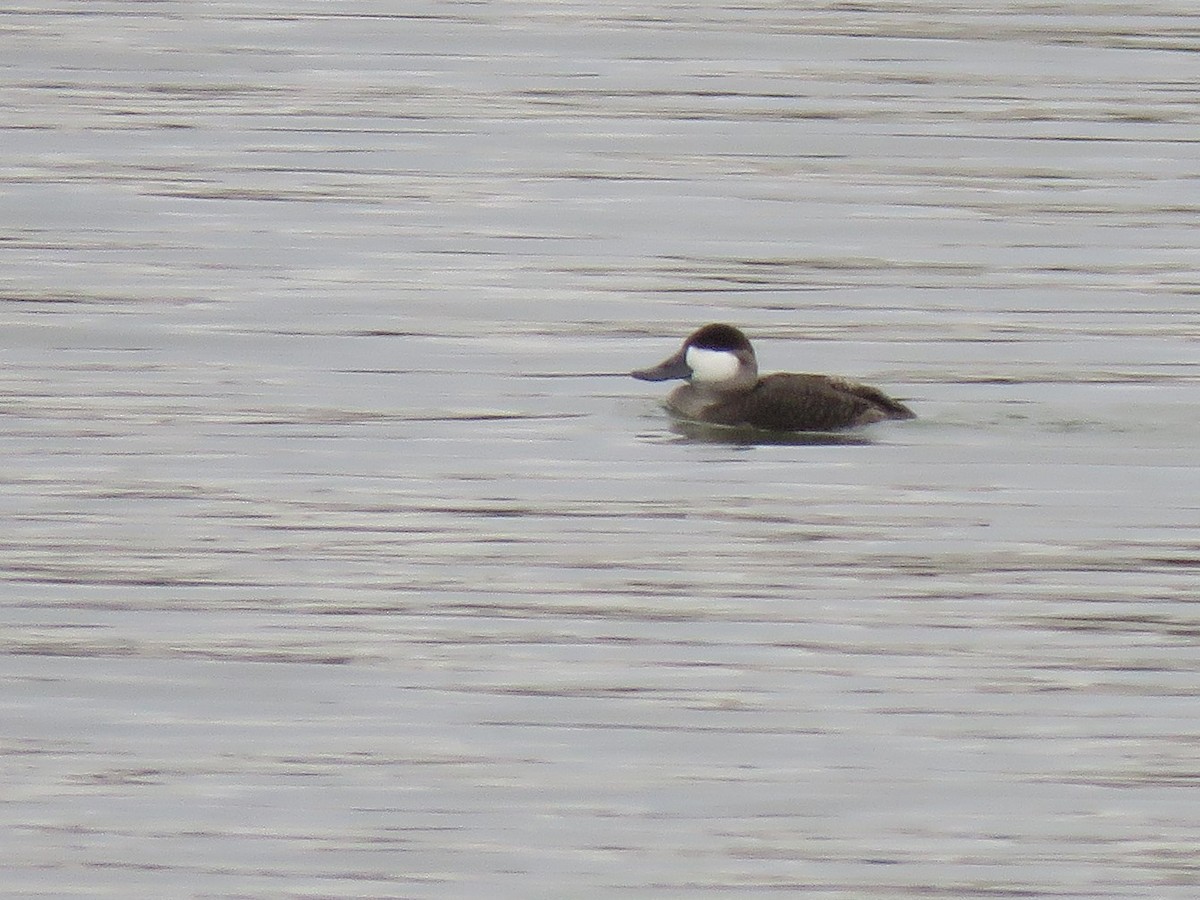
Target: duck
column 723, row 387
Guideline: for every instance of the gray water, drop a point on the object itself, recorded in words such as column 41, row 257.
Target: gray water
column 334, row 566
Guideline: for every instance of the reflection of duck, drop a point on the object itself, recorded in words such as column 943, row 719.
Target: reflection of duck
column 723, row 388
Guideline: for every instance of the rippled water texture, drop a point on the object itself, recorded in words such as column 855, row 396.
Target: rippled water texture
column 334, row 564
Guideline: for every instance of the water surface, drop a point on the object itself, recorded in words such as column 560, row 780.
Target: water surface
column 334, row 567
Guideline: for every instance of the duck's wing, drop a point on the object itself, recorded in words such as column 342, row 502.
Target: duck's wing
column 893, row 408
column 789, row 402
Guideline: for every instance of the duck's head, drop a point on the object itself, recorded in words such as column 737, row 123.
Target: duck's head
column 718, row 357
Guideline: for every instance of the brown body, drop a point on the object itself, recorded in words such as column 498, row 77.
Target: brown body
column 788, row 402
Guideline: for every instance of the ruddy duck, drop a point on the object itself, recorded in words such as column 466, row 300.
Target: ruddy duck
column 723, row 388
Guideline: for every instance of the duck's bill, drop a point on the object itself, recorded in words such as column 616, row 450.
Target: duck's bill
column 675, row 367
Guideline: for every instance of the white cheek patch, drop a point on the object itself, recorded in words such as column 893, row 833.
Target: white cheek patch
column 712, row 365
